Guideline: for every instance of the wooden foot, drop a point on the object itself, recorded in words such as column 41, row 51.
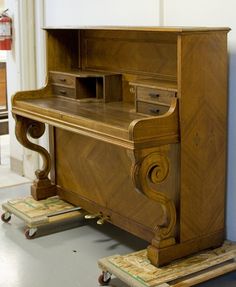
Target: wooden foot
column 165, row 255
column 154, row 251
column 42, row 189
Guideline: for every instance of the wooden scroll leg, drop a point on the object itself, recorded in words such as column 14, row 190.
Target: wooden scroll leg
column 153, row 170
column 42, row 186
column 158, row 251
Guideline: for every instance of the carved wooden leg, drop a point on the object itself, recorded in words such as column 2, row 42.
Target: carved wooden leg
column 42, row 186
column 151, row 170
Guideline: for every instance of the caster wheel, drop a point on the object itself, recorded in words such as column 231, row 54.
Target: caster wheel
column 30, row 233
column 6, row 217
column 104, row 278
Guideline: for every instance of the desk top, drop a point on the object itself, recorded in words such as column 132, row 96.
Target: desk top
column 114, row 118
column 115, row 122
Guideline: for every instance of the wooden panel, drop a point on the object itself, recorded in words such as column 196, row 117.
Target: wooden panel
column 112, row 88
column 4, row 129
column 3, row 100
column 2, row 94
column 62, row 49
column 152, row 54
column 100, row 173
column 203, row 120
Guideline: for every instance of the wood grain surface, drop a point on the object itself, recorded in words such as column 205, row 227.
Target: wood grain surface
column 139, row 121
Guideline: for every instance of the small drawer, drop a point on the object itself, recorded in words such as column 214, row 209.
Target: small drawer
column 62, row 79
column 151, row 109
column 154, row 95
column 64, row 91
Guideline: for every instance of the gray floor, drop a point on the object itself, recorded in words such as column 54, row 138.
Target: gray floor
column 67, row 258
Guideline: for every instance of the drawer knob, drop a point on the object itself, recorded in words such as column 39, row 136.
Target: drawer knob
column 62, row 79
column 154, row 111
column 154, row 95
column 62, row 92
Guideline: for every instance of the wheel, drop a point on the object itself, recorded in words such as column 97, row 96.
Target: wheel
column 6, row 217
column 30, row 233
column 104, row 278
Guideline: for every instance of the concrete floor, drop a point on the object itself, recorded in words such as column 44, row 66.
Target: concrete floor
column 67, row 258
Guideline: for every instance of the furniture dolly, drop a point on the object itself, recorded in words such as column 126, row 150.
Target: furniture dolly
column 136, row 270
column 36, row 214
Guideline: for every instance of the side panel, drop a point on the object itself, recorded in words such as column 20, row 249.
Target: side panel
column 62, row 49
column 203, row 119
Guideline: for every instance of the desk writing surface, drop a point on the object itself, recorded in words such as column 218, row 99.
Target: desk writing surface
column 113, row 118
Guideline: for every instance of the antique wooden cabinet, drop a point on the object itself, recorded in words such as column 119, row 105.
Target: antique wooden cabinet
column 138, row 121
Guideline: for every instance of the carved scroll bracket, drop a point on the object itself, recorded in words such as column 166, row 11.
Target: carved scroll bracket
column 42, row 186
column 151, row 171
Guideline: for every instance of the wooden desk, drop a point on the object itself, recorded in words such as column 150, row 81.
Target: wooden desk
column 138, row 121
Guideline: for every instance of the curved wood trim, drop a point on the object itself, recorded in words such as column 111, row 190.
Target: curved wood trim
column 154, row 168
column 159, row 127
column 42, row 186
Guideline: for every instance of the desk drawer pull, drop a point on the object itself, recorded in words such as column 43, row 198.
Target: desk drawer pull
column 154, row 111
column 154, row 95
column 62, row 92
column 62, row 80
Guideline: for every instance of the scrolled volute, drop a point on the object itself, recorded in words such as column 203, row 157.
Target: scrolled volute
column 149, row 172
column 35, row 129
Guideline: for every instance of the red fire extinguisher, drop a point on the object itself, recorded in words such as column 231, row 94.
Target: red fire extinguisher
column 5, row 31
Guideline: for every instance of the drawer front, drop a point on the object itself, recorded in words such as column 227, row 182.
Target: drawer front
column 154, row 95
column 64, row 91
column 62, row 79
column 151, row 109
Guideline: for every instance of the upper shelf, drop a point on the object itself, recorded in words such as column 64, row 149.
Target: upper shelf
column 143, row 28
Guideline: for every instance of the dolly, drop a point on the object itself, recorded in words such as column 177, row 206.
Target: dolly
column 135, row 269
column 40, row 213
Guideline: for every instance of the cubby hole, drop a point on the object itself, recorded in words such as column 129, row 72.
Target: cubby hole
column 89, row 87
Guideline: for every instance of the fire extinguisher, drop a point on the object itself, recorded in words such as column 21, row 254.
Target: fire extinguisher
column 5, row 31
